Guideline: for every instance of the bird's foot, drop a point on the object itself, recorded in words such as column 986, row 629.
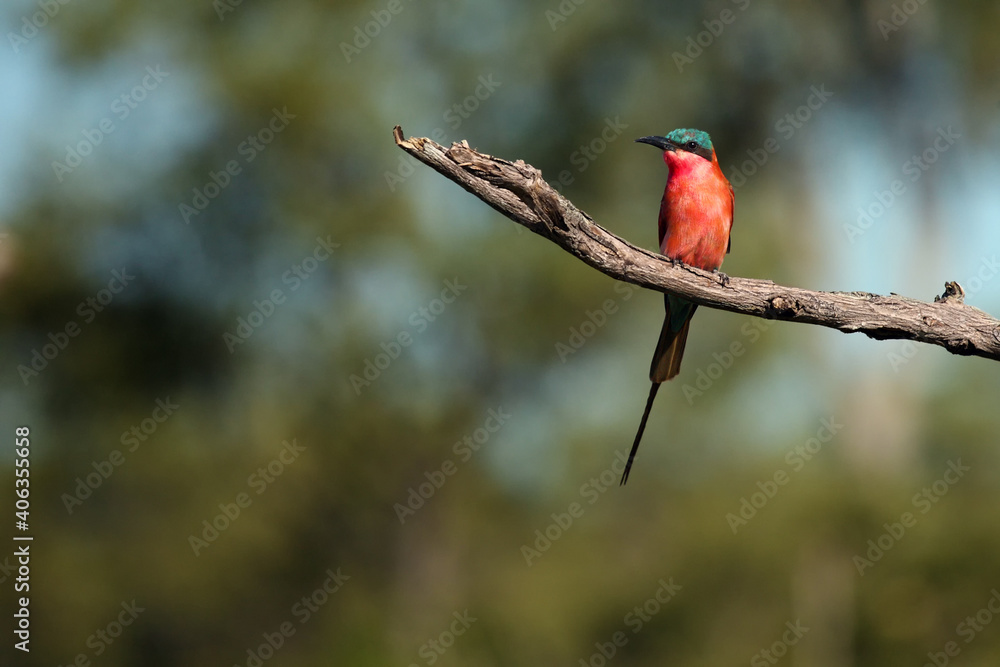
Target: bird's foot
column 723, row 278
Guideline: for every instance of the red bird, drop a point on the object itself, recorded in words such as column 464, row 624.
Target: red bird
column 696, row 216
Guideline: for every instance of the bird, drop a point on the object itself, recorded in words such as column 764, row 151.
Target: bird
column 695, row 221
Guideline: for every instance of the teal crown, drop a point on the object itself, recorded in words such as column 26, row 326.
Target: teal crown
column 683, row 136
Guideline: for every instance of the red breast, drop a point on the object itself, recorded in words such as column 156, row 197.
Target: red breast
column 696, row 213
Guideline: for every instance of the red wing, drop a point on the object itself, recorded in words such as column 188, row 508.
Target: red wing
column 732, row 217
column 663, row 219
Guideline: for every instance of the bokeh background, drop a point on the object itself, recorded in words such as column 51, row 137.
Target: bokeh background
column 415, row 408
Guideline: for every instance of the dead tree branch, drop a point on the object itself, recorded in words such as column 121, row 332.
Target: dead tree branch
column 518, row 191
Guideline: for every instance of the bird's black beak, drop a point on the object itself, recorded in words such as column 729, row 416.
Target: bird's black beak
column 660, row 142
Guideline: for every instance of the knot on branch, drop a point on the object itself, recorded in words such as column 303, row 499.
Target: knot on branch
column 962, row 346
column 521, row 179
column 781, row 305
column 539, row 197
column 548, row 204
column 953, row 294
column 470, row 160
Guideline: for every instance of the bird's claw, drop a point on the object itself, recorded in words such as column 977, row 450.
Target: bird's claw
column 723, row 278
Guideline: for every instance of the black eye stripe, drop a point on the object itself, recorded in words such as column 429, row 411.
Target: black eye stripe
column 697, row 149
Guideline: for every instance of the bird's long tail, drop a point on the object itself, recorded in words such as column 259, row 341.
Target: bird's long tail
column 642, row 427
column 666, row 360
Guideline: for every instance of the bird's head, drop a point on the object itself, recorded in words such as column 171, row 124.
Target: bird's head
column 683, row 147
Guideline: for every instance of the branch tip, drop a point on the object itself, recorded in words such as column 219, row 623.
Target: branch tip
column 953, row 294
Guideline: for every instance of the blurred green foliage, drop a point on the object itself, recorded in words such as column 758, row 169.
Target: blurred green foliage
column 366, row 521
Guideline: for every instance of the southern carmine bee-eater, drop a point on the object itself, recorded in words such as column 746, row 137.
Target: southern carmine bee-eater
column 696, row 216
